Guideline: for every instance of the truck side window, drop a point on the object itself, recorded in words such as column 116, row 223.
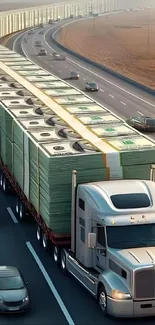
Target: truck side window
column 101, row 235
column 82, row 204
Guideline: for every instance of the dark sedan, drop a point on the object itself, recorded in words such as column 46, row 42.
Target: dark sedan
column 91, row 86
column 142, row 123
column 13, row 292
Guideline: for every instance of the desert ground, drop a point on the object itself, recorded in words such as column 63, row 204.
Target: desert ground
column 124, row 42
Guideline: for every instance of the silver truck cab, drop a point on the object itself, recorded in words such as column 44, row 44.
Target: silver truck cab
column 113, row 255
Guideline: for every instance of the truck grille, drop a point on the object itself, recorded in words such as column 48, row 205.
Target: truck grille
column 144, row 284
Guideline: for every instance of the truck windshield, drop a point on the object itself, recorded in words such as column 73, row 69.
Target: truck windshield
column 122, row 237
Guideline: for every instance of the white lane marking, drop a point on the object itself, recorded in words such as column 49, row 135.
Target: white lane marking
column 14, row 43
column 140, row 113
column 12, row 215
column 84, row 78
column 102, row 90
column 51, row 285
column 111, row 96
column 123, row 103
column 112, row 83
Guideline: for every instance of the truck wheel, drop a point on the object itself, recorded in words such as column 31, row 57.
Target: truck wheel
column 63, row 261
column 45, row 242
column 39, row 234
column 56, row 254
column 102, row 300
column 4, row 185
column 1, row 180
column 17, row 207
column 21, row 212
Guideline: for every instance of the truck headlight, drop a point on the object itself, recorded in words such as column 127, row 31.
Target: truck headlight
column 120, row 295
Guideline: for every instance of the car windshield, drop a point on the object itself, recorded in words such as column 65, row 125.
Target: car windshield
column 91, row 84
column 150, row 121
column 131, row 236
column 11, row 283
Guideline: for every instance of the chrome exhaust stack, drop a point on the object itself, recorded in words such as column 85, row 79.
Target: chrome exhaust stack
column 73, row 212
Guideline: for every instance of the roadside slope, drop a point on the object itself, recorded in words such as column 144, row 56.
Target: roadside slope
column 124, row 42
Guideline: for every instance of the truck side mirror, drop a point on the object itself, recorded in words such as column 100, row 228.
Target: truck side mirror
column 91, row 240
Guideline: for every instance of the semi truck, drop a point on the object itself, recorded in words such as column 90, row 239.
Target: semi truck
column 111, row 251
column 108, row 200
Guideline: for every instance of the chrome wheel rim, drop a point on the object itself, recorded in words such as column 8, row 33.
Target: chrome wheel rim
column 63, row 261
column 55, row 254
column 103, row 301
column 38, row 233
column 21, row 213
column 44, row 241
column 17, row 208
column 4, row 186
column 1, row 180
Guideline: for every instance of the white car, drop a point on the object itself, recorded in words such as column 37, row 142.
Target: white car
column 42, row 52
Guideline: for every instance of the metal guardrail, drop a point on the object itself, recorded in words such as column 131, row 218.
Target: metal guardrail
column 16, row 20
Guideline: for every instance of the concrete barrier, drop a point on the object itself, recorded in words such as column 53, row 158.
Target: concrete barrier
column 100, row 66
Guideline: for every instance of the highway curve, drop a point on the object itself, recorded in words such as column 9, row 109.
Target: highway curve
column 119, row 96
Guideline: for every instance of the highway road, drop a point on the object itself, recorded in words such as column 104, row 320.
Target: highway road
column 56, row 298
column 19, row 247
column 120, row 97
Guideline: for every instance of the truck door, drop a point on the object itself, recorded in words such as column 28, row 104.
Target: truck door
column 101, row 247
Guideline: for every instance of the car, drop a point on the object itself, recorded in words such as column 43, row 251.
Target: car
column 30, row 32
column 38, row 44
column 41, row 32
column 51, row 21
column 74, row 75
column 91, row 86
column 142, row 123
column 14, row 295
column 42, row 52
column 25, row 40
column 57, row 56
column 71, row 16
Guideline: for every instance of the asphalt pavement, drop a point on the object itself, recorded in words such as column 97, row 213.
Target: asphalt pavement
column 120, row 97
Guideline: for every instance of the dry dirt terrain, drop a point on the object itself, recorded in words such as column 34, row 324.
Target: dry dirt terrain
column 124, row 42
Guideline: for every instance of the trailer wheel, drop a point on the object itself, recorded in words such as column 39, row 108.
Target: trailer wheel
column 45, row 242
column 1, row 180
column 39, row 234
column 63, row 261
column 21, row 212
column 56, row 254
column 17, row 208
column 4, row 184
column 102, row 300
